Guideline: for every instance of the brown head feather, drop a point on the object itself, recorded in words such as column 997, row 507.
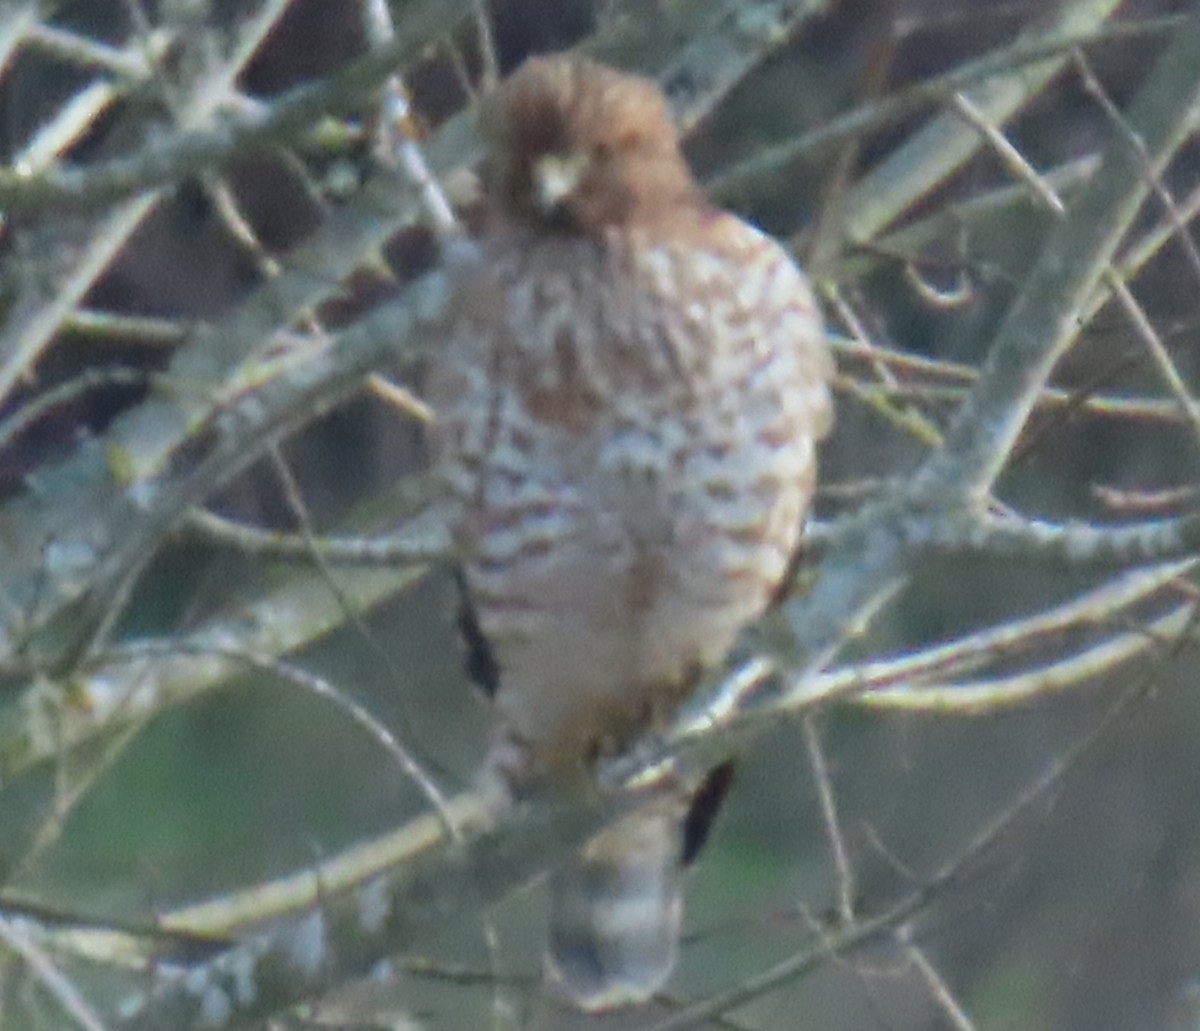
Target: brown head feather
column 603, row 139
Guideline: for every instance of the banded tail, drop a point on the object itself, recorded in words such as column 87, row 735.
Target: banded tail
column 616, row 911
column 617, row 907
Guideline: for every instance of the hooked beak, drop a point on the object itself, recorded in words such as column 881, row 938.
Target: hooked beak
column 556, row 177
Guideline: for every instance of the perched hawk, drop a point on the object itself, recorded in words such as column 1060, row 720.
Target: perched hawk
column 627, row 410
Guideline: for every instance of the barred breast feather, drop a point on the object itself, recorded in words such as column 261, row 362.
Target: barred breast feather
column 627, row 406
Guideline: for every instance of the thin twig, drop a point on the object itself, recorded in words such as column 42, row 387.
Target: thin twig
column 938, row 988
column 60, row 987
column 829, row 814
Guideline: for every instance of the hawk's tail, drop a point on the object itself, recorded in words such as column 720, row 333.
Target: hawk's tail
column 617, row 907
column 616, row 911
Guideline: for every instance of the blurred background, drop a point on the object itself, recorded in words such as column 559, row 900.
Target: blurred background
column 1083, row 914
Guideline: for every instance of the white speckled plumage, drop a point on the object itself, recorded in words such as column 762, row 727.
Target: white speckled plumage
column 627, row 407
column 669, row 453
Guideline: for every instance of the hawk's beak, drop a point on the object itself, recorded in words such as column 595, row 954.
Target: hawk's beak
column 556, row 177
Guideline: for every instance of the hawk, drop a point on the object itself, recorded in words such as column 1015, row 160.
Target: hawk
column 627, row 408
